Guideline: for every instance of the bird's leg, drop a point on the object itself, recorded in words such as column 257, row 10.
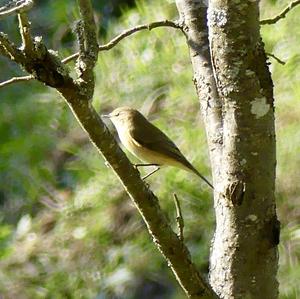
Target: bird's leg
column 153, row 171
column 142, row 165
column 147, row 164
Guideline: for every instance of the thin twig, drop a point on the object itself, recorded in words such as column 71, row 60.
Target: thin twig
column 105, row 47
column 11, row 50
column 179, row 218
column 14, row 7
column 276, row 58
column 281, row 15
column 4, row 52
column 128, row 32
column 151, row 172
column 24, row 27
column 70, row 58
column 16, row 79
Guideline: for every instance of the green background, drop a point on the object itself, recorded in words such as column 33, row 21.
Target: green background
column 67, row 229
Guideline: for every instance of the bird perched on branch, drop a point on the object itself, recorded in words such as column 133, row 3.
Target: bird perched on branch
column 147, row 142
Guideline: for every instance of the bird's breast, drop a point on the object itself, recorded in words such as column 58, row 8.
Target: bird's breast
column 145, row 154
column 137, row 149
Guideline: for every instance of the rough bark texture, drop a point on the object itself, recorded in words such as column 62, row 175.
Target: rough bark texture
column 241, row 137
column 235, row 91
column 45, row 66
column 193, row 22
column 169, row 244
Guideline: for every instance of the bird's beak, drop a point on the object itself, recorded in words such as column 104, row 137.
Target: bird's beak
column 105, row 116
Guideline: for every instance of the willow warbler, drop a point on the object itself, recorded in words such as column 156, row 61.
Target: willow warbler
column 147, row 142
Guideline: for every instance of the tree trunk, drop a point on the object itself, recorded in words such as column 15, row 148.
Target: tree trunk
column 241, row 138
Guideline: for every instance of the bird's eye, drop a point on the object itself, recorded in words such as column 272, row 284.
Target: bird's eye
column 117, row 114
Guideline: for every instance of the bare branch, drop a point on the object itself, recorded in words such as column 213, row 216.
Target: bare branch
column 47, row 68
column 89, row 29
column 118, row 38
column 78, row 30
column 194, row 22
column 70, row 58
column 173, row 249
column 16, row 79
column 281, row 15
column 24, row 27
column 128, row 32
column 88, row 46
column 4, row 52
column 179, row 218
column 14, row 7
column 9, row 49
column 276, row 58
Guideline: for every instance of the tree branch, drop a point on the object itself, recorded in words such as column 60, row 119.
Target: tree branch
column 276, row 58
column 244, row 82
column 179, row 218
column 107, row 46
column 14, row 7
column 24, row 27
column 193, row 17
column 166, row 240
column 16, row 79
column 8, row 49
column 127, row 33
column 4, row 52
column 280, row 15
column 45, row 66
column 88, row 46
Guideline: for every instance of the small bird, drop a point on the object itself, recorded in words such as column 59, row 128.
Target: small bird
column 147, row 142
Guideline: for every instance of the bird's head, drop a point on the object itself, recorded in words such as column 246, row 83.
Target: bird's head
column 122, row 116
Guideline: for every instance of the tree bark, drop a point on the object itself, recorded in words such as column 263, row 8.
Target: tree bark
column 241, row 138
column 235, row 91
column 45, row 66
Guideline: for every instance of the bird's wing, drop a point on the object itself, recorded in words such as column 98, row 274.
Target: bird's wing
column 154, row 139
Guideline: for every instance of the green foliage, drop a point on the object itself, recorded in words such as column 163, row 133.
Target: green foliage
column 5, row 233
column 68, row 230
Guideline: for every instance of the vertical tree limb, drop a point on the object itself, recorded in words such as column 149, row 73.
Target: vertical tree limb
column 88, row 46
column 193, row 21
column 244, row 254
column 241, row 137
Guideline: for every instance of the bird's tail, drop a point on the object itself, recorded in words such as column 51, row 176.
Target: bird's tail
column 194, row 170
column 203, row 178
column 183, row 163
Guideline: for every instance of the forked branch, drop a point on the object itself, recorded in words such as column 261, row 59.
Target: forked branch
column 112, row 43
column 280, row 15
column 128, row 32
